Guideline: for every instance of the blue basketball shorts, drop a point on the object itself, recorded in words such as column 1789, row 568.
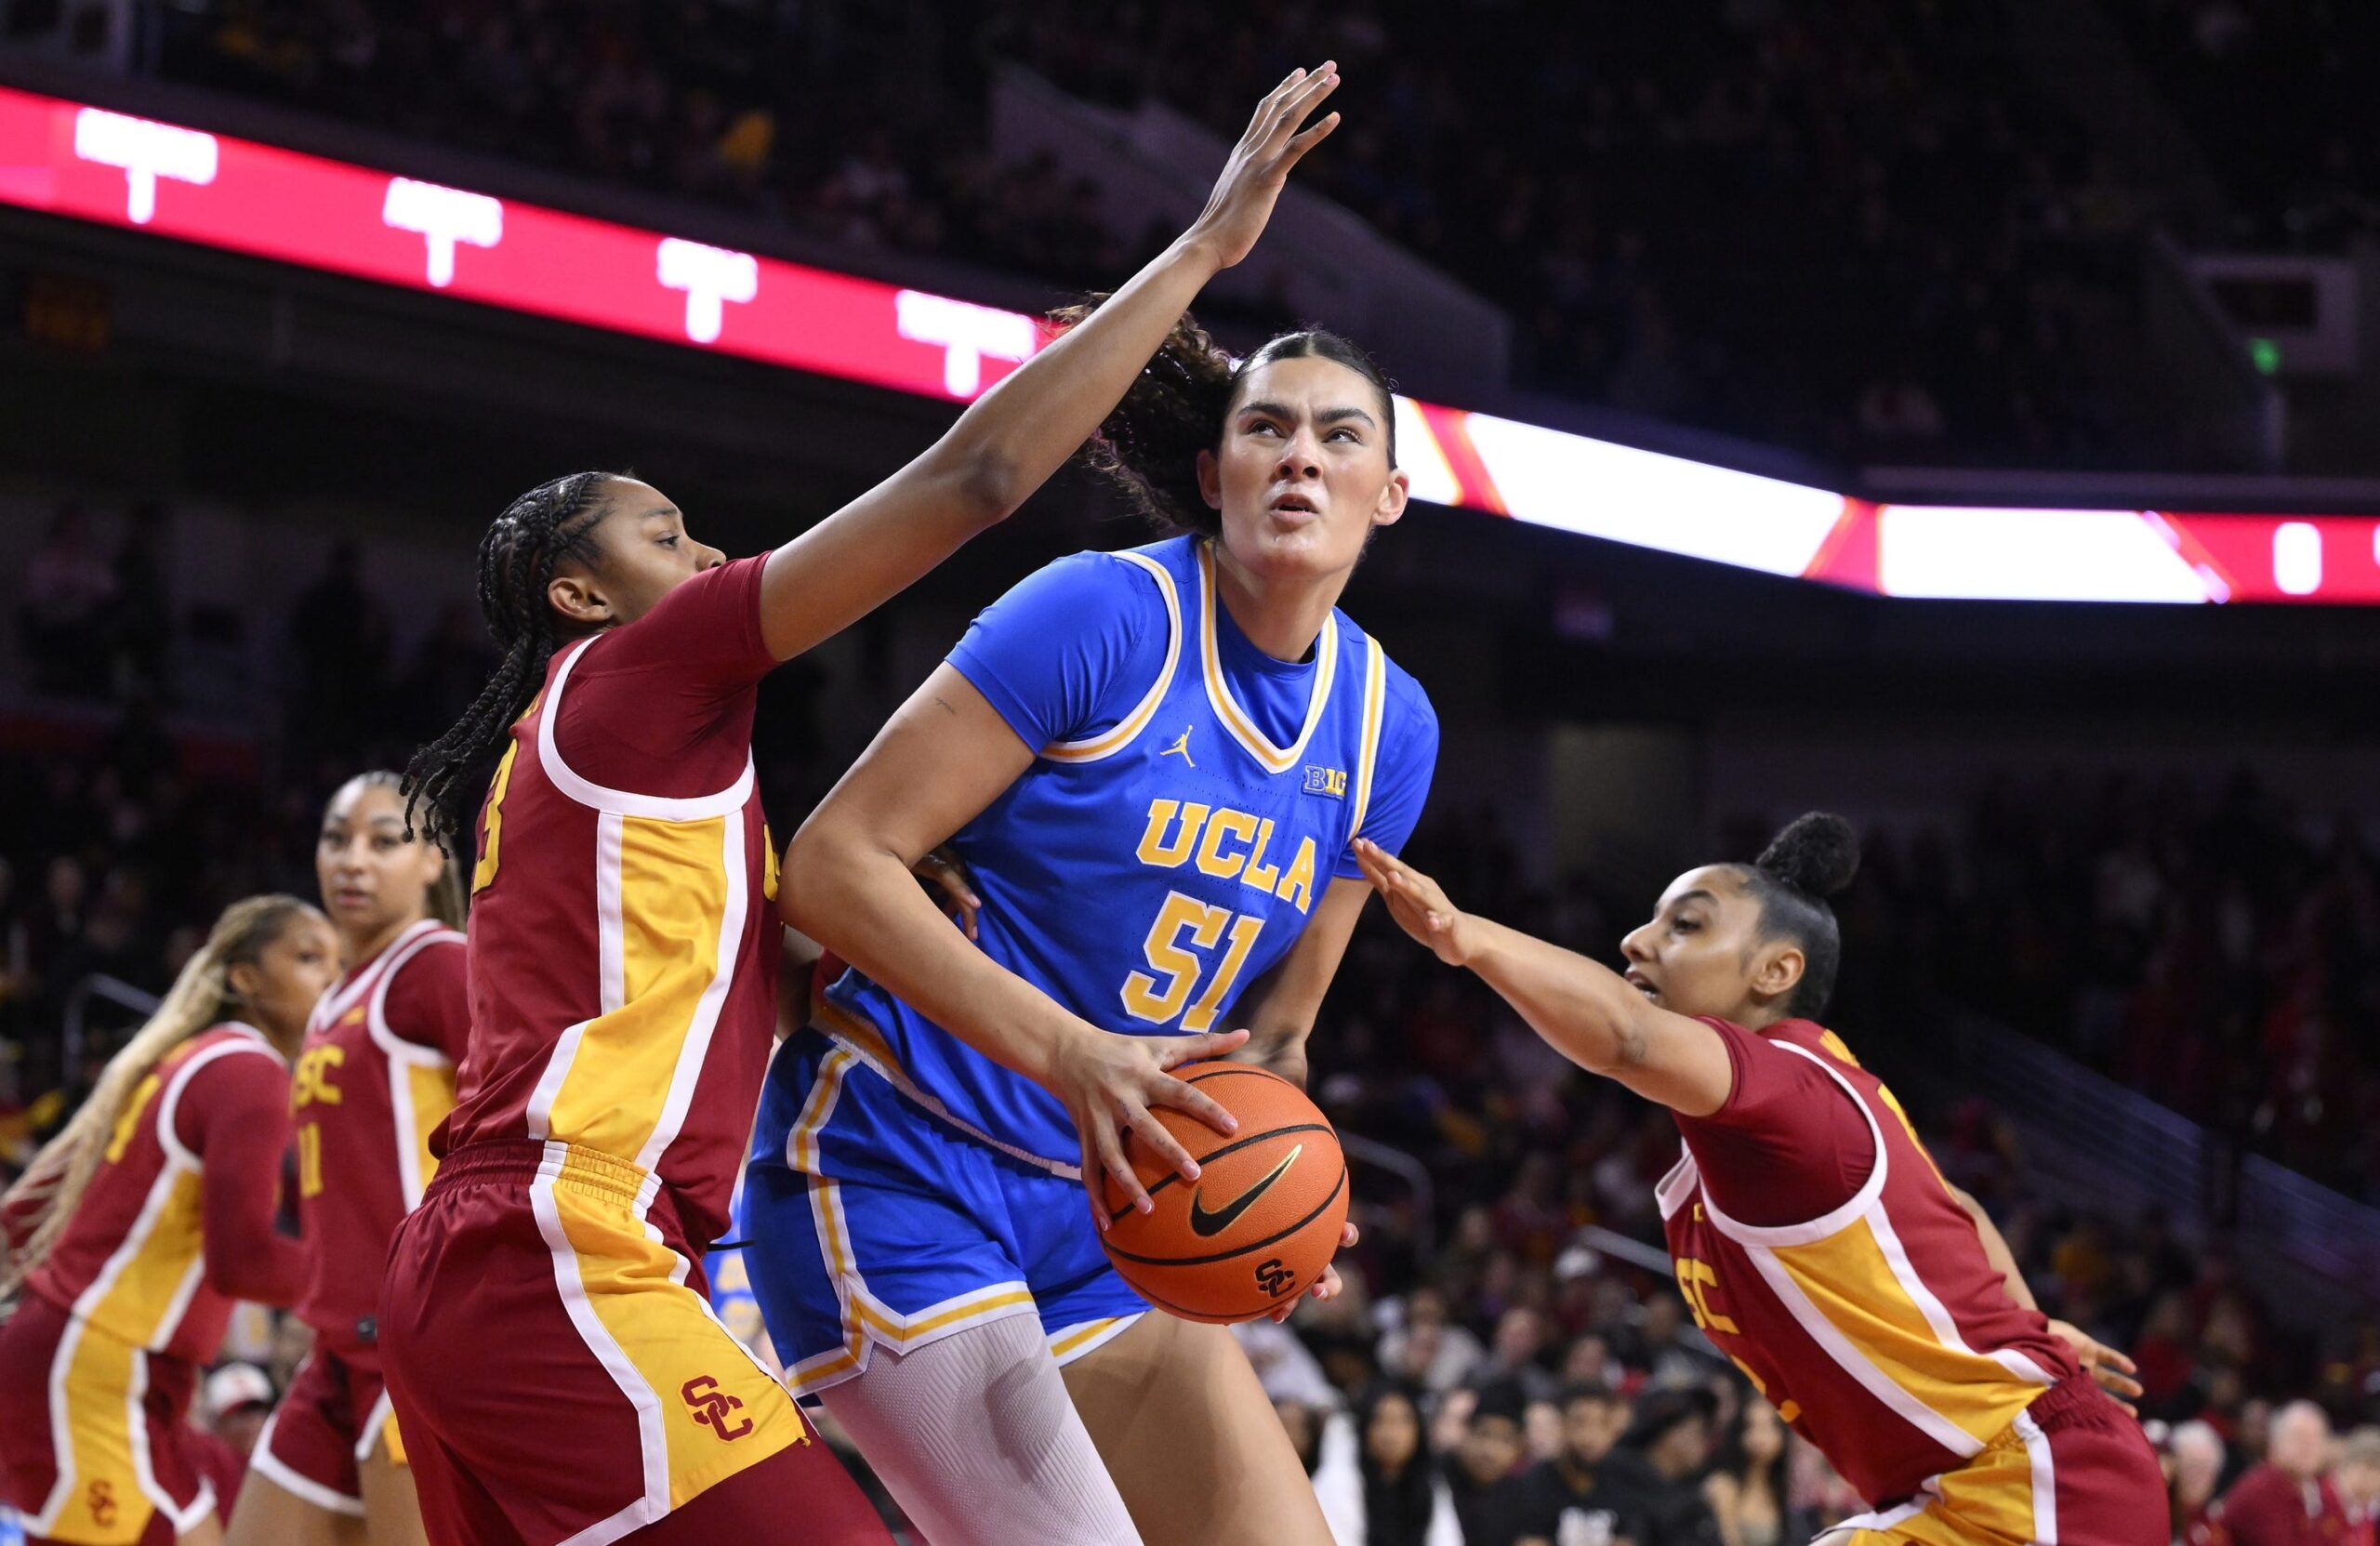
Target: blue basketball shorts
column 879, row 1224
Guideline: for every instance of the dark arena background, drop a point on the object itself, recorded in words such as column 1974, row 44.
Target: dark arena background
column 1960, row 415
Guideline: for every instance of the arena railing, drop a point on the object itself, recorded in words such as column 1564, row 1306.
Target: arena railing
column 73, row 1024
column 2096, row 1143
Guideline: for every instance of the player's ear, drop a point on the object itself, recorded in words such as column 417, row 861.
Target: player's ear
column 1392, row 495
column 243, row 979
column 1210, row 479
column 1777, row 969
column 577, row 598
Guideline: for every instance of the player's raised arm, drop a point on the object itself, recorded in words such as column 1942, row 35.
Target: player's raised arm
column 1586, row 1011
column 1020, row 431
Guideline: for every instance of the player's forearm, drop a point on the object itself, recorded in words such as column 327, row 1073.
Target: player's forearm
column 860, row 900
column 1582, row 1010
column 1024, row 429
column 1995, row 1249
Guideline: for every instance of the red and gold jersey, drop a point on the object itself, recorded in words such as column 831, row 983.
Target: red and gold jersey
column 133, row 1260
column 624, row 940
column 376, row 1075
column 1819, row 1247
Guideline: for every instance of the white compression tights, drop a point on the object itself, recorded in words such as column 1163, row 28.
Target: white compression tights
column 977, row 1438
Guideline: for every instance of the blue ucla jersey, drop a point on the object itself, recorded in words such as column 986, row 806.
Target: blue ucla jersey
column 1193, row 800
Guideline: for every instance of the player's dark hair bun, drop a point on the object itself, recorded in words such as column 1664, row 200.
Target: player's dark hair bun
column 1816, row 855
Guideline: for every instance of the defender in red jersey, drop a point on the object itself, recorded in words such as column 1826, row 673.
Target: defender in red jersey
column 1815, row 1241
column 136, row 1229
column 554, row 1363
column 375, row 1074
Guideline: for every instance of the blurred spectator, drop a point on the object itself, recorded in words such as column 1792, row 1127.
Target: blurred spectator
column 1481, row 1471
column 1747, row 1489
column 1652, row 1473
column 338, row 635
column 1427, row 1350
column 2357, row 1481
column 2286, row 1500
column 1562, row 1501
column 239, row 1401
column 2194, row 1459
column 1377, row 1483
column 64, row 609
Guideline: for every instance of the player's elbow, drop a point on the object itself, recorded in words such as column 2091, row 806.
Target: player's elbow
column 814, row 884
column 992, row 487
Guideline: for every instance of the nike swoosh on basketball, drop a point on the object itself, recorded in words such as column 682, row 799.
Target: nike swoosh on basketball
column 1205, row 1224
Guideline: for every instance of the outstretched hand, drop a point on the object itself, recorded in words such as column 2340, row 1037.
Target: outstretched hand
column 1259, row 166
column 1416, row 901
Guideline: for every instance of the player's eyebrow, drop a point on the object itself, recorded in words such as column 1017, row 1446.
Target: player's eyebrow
column 1328, row 416
column 1698, row 894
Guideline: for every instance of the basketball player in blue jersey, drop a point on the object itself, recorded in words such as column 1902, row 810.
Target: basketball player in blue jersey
column 1154, row 764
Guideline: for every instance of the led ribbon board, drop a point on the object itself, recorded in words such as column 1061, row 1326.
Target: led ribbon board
column 89, row 164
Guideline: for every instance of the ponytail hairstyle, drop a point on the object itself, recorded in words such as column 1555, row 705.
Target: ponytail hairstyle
column 42, row 1203
column 551, row 523
column 446, row 901
column 1178, row 407
column 1812, row 859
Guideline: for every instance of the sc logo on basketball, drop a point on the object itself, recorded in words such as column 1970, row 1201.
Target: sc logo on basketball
column 710, row 1406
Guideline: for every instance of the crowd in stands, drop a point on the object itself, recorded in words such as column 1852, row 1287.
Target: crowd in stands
column 2276, row 94
column 1853, row 227
column 1492, row 1368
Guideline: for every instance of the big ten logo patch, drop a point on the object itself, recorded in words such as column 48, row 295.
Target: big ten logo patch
column 1326, row 781
column 715, row 1409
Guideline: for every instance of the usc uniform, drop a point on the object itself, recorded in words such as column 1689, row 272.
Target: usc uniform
column 376, row 1074
column 1819, row 1247
column 99, row 1363
column 556, row 1367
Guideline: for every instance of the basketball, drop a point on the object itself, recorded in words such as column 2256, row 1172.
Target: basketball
column 1261, row 1222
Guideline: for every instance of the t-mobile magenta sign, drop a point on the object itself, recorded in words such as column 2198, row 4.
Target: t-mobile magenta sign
column 711, row 277
column 145, row 152
column 442, row 217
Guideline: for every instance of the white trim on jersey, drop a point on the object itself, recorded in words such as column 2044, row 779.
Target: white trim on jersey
column 1836, row 1346
column 1676, row 1189
column 1829, row 1223
column 402, row 1056
column 1126, row 730
column 1375, row 711
column 622, row 802
column 696, row 1046
column 1236, row 721
column 651, row 1439
column 2044, row 1470
column 281, row 1473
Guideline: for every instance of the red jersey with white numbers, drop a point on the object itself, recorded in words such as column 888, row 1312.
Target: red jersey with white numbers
column 376, row 1075
column 623, row 936
column 1819, row 1247
column 133, row 1260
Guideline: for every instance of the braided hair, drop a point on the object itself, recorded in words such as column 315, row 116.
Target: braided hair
column 1149, row 444
column 1814, row 857
column 551, row 523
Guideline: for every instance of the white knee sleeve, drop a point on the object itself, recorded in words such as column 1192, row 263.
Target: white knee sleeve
column 977, row 1438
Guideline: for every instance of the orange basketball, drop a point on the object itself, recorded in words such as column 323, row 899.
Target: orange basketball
column 1259, row 1223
